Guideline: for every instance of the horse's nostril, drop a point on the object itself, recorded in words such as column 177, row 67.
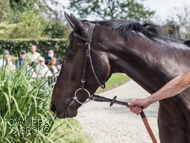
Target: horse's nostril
column 53, row 108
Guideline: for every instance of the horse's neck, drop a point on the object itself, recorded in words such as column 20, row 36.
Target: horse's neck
column 148, row 63
column 152, row 65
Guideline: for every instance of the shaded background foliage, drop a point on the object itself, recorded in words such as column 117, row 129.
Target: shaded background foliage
column 27, row 22
column 32, row 19
column 56, row 30
column 14, row 46
column 24, row 112
column 111, row 9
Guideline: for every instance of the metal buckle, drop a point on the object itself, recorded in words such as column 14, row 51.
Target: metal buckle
column 76, row 98
column 83, row 81
column 88, row 42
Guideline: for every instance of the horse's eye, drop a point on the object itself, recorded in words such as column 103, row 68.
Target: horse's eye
column 69, row 57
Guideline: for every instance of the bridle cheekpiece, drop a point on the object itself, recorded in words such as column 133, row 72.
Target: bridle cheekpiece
column 87, row 56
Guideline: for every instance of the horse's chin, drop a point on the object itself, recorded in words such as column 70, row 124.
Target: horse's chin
column 67, row 114
column 70, row 112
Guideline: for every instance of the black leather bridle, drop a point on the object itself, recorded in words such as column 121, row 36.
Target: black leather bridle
column 87, row 56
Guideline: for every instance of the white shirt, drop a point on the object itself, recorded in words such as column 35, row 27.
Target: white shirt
column 41, row 71
column 55, row 70
column 182, row 29
column 3, row 62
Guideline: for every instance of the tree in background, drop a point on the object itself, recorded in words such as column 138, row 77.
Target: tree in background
column 171, row 27
column 5, row 10
column 181, row 17
column 29, row 25
column 32, row 19
column 111, row 9
column 21, row 21
column 56, row 29
column 21, row 5
column 46, row 7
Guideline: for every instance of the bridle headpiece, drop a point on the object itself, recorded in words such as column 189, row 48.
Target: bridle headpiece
column 87, row 56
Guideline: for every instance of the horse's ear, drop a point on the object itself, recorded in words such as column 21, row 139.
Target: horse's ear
column 75, row 23
column 187, row 42
column 72, row 15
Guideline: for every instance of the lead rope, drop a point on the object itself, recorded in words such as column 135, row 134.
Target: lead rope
column 112, row 101
column 145, row 121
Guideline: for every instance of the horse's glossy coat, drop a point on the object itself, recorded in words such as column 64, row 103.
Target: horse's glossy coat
column 146, row 55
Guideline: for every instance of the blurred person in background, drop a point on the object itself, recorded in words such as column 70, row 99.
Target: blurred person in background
column 52, row 66
column 33, row 55
column 21, row 59
column 29, row 69
column 10, row 66
column 6, row 58
column 42, row 69
column 182, row 31
column 48, row 59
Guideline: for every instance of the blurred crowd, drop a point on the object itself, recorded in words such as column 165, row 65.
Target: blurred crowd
column 34, row 63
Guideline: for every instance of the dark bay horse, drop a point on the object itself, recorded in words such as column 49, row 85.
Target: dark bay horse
column 141, row 51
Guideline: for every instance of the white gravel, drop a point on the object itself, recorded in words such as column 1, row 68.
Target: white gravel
column 117, row 124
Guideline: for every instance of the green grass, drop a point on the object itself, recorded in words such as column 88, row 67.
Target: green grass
column 70, row 131
column 114, row 81
column 13, row 58
column 25, row 116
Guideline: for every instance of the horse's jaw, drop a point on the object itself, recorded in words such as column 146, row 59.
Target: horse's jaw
column 67, row 109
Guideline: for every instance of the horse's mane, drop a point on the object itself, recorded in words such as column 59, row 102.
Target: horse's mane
column 151, row 31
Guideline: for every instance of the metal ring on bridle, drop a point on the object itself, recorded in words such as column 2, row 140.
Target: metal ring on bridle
column 76, row 98
column 83, row 80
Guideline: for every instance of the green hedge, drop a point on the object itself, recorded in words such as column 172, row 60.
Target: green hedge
column 188, row 36
column 43, row 45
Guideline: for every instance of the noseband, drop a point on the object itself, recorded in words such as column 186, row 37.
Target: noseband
column 87, row 56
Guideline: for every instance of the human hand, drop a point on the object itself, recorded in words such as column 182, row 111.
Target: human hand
column 135, row 109
column 135, row 105
column 59, row 67
column 46, row 76
column 53, row 67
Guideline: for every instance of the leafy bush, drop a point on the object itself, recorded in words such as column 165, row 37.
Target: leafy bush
column 25, row 116
column 56, row 30
column 5, row 10
column 29, row 24
column 14, row 46
column 23, row 109
column 28, row 21
column 70, row 131
column 188, row 36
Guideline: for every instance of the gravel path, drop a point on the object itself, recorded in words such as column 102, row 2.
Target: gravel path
column 117, row 124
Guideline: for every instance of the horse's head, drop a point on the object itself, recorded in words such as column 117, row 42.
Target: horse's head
column 69, row 81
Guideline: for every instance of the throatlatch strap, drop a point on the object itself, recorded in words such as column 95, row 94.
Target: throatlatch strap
column 93, row 71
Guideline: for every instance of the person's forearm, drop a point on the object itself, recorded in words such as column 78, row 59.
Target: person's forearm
column 170, row 89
